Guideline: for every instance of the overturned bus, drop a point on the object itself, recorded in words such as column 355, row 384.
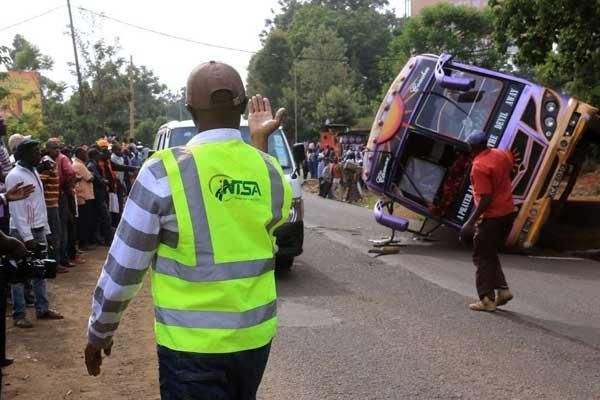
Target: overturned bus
column 418, row 155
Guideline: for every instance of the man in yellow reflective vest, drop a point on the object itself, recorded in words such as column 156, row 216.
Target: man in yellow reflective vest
column 202, row 216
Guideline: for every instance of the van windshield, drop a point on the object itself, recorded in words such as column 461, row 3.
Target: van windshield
column 277, row 145
column 180, row 136
column 277, row 148
column 456, row 113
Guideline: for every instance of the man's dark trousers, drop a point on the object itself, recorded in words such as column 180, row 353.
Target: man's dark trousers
column 194, row 376
column 490, row 236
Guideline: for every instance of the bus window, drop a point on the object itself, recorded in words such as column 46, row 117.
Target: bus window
column 457, row 114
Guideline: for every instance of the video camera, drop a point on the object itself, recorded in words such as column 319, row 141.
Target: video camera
column 32, row 266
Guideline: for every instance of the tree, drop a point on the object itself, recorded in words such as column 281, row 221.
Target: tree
column 314, row 40
column 28, row 57
column 558, row 39
column 339, row 105
column 352, row 4
column 4, row 62
column 465, row 32
column 270, row 69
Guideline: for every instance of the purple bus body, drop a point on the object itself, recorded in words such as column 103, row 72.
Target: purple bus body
column 511, row 128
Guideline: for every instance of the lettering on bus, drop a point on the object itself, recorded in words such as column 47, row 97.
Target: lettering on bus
column 465, row 205
column 416, row 86
column 504, row 113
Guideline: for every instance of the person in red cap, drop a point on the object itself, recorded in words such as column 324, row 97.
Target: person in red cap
column 492, row 220
column 203, row 216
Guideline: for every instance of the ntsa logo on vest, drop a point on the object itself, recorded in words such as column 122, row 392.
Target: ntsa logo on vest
column 225, row 188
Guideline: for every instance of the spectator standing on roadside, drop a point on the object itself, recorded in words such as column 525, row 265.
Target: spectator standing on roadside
column 66, row 202
column 314, row 163
column 5, row 167
column 13, row 141
column 336, row 187
column 100, row 232
column 66, row 199
column 85, row 198
column 327, row 179
column 29, row 223
column 49, row 178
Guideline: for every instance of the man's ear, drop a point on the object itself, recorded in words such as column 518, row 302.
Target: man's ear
column 190, row 109
column 243, row 106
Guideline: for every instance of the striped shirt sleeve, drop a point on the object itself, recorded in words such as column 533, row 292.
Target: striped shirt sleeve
column 148, row 208
column 5, row 163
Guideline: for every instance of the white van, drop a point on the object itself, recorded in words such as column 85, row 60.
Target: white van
column 290, row 236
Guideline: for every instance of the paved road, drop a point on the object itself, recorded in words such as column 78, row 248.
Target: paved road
column 397, row 327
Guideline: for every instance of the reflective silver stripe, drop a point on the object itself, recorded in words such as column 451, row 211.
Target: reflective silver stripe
column 216, row 319
column 149, row 201
column 277, row 192
column 169, row 238
column 193, row 193
column 157, row 168
column 212, row 273
column 122, row 275
column 135, row 238
column 109, row 305
column 100, row 327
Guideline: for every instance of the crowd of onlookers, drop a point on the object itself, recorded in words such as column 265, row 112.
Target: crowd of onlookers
column 77, row 197
column 339, row 177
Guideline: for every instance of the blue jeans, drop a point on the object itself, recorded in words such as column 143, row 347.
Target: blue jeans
column 39, row 285
column 195, row 376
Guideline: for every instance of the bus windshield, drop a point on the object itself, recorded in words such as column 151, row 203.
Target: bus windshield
column 456, row 113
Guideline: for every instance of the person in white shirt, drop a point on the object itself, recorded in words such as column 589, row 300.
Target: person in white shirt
column 29, row 223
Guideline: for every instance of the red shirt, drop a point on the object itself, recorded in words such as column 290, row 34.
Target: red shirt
column 64, row 168
column 490, row 174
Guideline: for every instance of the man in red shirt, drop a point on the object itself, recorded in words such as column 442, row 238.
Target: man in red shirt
column 491, row 221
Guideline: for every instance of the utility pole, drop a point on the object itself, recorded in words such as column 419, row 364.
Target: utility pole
column 295, row 104
column 79, row 80
column 131, row 100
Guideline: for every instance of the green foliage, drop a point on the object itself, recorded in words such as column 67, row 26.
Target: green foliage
column 147, row 128
column 28, row 57
column 106, row 92
column 326, row 43
column 269, row 70
column 340, row 104
column 4, row 62
column 559, row 40
column 351, row 4
column 465, row 32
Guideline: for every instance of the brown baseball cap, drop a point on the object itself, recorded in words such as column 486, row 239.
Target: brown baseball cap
column 211, row 77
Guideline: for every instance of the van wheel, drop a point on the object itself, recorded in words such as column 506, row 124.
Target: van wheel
column 284, row 263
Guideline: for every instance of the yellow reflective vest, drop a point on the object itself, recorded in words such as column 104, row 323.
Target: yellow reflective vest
column 215, row 292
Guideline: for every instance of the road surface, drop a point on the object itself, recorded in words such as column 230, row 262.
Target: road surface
column 357, row 327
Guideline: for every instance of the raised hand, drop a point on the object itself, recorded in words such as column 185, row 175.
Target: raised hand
column 261, row 121
column 19, row 192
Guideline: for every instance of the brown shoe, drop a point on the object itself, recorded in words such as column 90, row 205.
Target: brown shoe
column 50, row 314
column 503, row 296
column 23, row 323
column 483, row 305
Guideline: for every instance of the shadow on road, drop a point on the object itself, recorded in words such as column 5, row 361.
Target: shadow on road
column 584, row 335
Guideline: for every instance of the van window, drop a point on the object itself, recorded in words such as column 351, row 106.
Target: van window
column 277, row 148
column 277, row 143
column 180, row 136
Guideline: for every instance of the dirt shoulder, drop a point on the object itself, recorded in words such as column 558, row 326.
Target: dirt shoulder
column 49, row 358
